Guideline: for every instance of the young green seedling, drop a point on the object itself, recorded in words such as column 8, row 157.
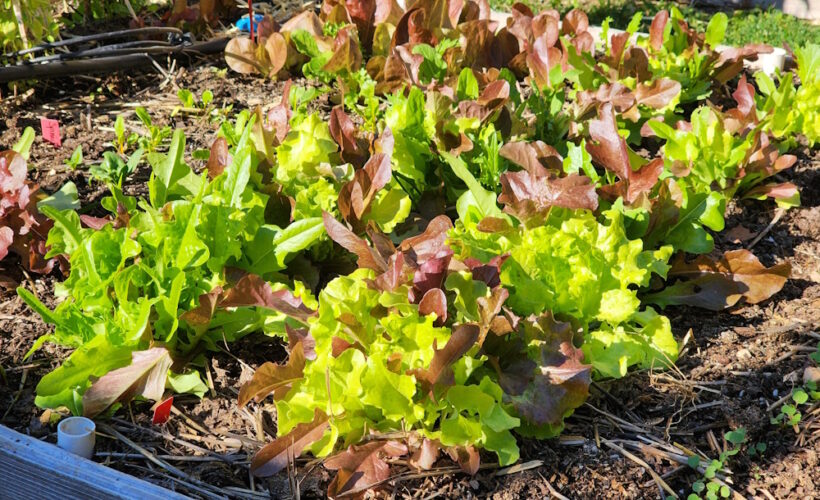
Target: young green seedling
column 157, row 135
column 710, row 486
column 76, row 158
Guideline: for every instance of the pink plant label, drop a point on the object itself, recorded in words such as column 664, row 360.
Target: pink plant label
column 51, row 131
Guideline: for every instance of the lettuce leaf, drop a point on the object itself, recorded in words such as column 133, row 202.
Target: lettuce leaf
column 575, row 266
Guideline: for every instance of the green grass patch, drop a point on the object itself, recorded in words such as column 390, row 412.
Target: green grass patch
column 745, row 26
column 772, row 27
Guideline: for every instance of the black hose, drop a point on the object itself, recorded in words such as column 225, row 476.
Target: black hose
column 107, row 63
column 65, row 68
column 105, row 50
column 93, row 38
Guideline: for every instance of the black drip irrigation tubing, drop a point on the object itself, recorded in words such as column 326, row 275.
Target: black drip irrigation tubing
column 96, row 38
column 104, row 59
column 106, row 50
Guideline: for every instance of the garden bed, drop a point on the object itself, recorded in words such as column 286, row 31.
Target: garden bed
column 730, row 373
column 734, row 369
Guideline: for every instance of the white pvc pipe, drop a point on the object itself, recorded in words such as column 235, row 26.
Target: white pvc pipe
column 76, row 435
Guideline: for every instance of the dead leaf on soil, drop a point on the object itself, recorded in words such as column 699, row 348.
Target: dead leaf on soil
column 718, row 285
column 362, row 467
column 739, row 234
column 275, row 456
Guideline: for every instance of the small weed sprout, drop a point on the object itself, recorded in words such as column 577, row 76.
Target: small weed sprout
column 757, row 450
column 76, row 158
column 790, row 414
column 203, row 106
column 710, row 486
column 156, row 135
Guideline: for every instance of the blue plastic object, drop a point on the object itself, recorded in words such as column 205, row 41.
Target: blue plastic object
column 243, row 24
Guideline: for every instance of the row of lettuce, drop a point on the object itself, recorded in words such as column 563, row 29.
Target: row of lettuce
column 452, row 252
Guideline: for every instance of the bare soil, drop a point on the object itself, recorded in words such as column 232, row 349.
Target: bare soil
column 735, row 368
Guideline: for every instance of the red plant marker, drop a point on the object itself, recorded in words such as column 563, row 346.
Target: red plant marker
column 51, row 131
column 250, row 16
column 162, row 411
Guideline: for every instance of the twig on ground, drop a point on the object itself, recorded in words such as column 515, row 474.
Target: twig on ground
column 246, row 441
column 12, row 317
column 710, row 404
column 777, row 215
column 248, row 493
column 691, row 382
column 597, row 435
column 614, row 400
column 191, row 486
column 413, row 475
column 209, row 380
column 713, row 442
column 255, row 421
column 553, row 491
column 779, row 402
column 667, row 475
column 515, row 469
column 626, row 425
column 235, row 358
column 18, row 368
column 16, row 394
column 168, row 437
column 766, row 493
column 661, row 483
column 570, row 440
column 786, row 355
column 202, row 488
column 213, row 440
column 196, row 425
column 161, row 70
column 809, row 426
column 235, row 459
column 293, row 482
